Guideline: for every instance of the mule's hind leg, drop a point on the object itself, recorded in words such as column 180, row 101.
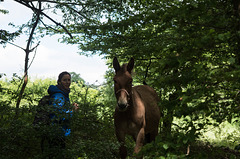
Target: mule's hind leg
column 150, row 137
column 147, row 138
column 153, row 135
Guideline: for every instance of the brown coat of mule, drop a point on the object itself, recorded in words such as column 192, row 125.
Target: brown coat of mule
column 137, row 112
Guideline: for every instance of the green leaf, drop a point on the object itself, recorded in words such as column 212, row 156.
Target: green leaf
column 185, row 140
column 231, row 60
column 165, row 146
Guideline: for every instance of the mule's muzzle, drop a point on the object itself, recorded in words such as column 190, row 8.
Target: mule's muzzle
column 123, row 98
column 122, row 107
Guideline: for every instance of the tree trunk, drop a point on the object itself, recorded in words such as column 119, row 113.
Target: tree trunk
column 27, row 52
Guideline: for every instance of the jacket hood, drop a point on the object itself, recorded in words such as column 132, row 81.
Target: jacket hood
column 54, row 89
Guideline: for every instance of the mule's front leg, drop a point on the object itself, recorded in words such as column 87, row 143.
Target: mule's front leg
column 122, row 148
column 123, row 151
column 139, row 141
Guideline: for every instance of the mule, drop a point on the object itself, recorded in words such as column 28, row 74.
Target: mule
column 137, row 113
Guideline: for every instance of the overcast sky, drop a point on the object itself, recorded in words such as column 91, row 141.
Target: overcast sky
column 51, row 57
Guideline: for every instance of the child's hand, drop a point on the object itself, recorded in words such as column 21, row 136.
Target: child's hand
column 75, row 106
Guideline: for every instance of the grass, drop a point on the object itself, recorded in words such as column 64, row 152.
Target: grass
column 217, row 142
column 224, row 135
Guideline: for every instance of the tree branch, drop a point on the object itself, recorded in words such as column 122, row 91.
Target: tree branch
column 146, row 72
column 13, row 44
column 42, row 13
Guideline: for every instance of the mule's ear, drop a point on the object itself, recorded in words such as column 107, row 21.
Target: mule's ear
column 116, row 65
column 130, row 65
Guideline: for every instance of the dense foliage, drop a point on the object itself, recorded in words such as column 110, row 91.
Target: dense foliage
column 92, row 126
column 187, row 50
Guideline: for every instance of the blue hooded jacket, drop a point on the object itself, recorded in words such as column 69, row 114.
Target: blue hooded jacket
column 60, row 100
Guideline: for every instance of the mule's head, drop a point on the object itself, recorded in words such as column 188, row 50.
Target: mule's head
column 123, row 83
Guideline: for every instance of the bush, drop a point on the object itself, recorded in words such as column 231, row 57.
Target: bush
column 92, row 126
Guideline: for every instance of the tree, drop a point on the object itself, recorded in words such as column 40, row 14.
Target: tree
column 36, row 25
column 188, row 50
column 191, row 47
column 76, row 77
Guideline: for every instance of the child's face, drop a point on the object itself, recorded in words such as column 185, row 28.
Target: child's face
column 66, row 81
